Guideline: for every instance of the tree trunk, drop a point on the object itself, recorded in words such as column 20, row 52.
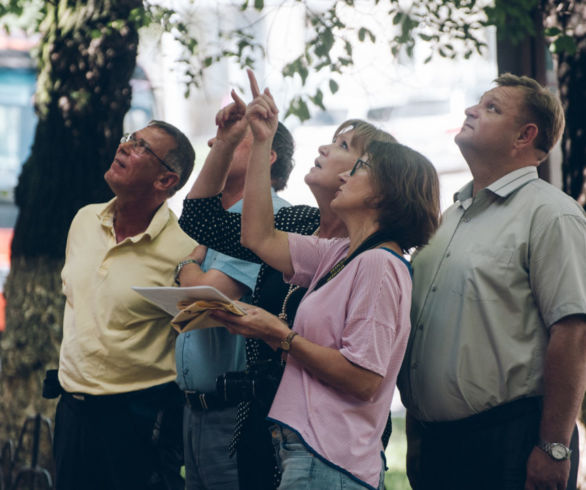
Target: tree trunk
column 572, row 86
column 87, row 57
column 527, row 59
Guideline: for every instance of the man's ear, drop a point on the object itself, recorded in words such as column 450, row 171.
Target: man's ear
column 527, row 135
column 166, row 181
column 272, row 157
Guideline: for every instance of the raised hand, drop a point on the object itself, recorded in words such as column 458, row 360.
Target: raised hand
column 262, row 113
column 231, row 121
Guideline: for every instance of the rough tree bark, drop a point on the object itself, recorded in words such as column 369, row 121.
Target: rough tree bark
column 571, row 71
column 87, row 56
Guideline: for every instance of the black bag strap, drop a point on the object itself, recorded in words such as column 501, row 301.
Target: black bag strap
column 372, row 241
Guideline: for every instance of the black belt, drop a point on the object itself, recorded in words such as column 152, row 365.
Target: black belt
column 207, row 401
column 164, row 391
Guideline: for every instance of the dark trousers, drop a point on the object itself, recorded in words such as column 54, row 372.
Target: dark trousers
column 131, row 441
column 487, row 451
column 257, row 463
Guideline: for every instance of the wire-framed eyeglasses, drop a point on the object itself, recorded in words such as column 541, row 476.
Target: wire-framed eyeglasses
column 140, row 147
column 358, row 165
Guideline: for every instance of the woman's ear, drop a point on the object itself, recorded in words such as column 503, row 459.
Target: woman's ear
column 272, row 157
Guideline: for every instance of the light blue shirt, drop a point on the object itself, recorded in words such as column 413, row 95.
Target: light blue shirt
column 202, row 355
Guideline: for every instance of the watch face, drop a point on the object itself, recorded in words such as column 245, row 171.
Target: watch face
column 558, row 451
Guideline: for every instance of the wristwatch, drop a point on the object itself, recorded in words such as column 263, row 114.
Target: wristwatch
column 286, row 342
column 180, row 266
column 556, row 450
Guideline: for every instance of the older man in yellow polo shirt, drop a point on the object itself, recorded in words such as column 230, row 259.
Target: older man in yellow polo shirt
column 118, row 419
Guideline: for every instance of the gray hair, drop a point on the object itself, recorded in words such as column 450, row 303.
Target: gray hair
column 182, row 157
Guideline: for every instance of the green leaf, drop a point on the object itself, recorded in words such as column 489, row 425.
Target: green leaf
column 326, row 41
column 333, row 86
column 298, row 108
column 564, row 44
column 259, row 4
column 552, row 32
column 363, row 32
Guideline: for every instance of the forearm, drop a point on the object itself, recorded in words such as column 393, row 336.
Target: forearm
column 332, row 368
column 258, row 224
column 212, row 177
column 193, row 275
column 564, row 379
column 326, row 364
column 207, row 222
column 257, row 216
column 564, row 384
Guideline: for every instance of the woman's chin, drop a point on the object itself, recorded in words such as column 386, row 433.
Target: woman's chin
column 336, row 201
column 309, row 178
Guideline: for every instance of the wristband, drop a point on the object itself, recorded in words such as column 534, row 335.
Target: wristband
column 180, row 266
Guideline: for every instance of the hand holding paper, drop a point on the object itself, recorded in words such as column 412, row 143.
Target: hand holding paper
column 190, row 306
column 195, row 315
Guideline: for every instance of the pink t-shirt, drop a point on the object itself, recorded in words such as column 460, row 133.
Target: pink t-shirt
column 364, row 313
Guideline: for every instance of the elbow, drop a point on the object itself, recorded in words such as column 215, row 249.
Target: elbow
column 247, row 241
column 251, row 240
column 365, row 391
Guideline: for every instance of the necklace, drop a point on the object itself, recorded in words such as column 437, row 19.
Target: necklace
column 292, row 289
column 283, row 314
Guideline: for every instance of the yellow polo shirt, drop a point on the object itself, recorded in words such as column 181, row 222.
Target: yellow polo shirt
column 114, row 340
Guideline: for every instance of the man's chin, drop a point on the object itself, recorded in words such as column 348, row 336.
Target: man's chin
column 110, row 179
column 460, row 138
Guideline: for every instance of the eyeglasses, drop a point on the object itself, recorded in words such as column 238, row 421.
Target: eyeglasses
column 358, row 165
column 140, row 147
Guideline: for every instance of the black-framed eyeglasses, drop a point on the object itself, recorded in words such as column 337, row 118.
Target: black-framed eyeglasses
column 358, row 165
column 140, row 146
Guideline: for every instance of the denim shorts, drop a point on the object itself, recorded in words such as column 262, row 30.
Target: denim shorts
column 303, row 470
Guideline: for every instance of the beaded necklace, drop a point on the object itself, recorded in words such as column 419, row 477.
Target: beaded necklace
column 292, row 289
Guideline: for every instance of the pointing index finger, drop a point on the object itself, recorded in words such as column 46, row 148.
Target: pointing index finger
column 253, row 83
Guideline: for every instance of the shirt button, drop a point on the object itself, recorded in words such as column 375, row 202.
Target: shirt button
column 466, row 219
column 421, row 327
column 186, row 371
column 448, row 254
column 433, row 289
column 414, row 365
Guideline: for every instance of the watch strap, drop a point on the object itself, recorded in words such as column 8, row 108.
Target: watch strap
column 555, row 450
column 180, row 266
column 286, row 342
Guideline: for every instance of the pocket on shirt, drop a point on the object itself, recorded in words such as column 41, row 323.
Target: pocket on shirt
column 484, row 274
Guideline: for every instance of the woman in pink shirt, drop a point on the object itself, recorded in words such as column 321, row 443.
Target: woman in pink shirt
column 350, row 332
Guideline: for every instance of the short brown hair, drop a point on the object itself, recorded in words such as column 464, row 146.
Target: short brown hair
column 364, row 134
column 541, row 107
column 407, row 193
column 182, row 157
